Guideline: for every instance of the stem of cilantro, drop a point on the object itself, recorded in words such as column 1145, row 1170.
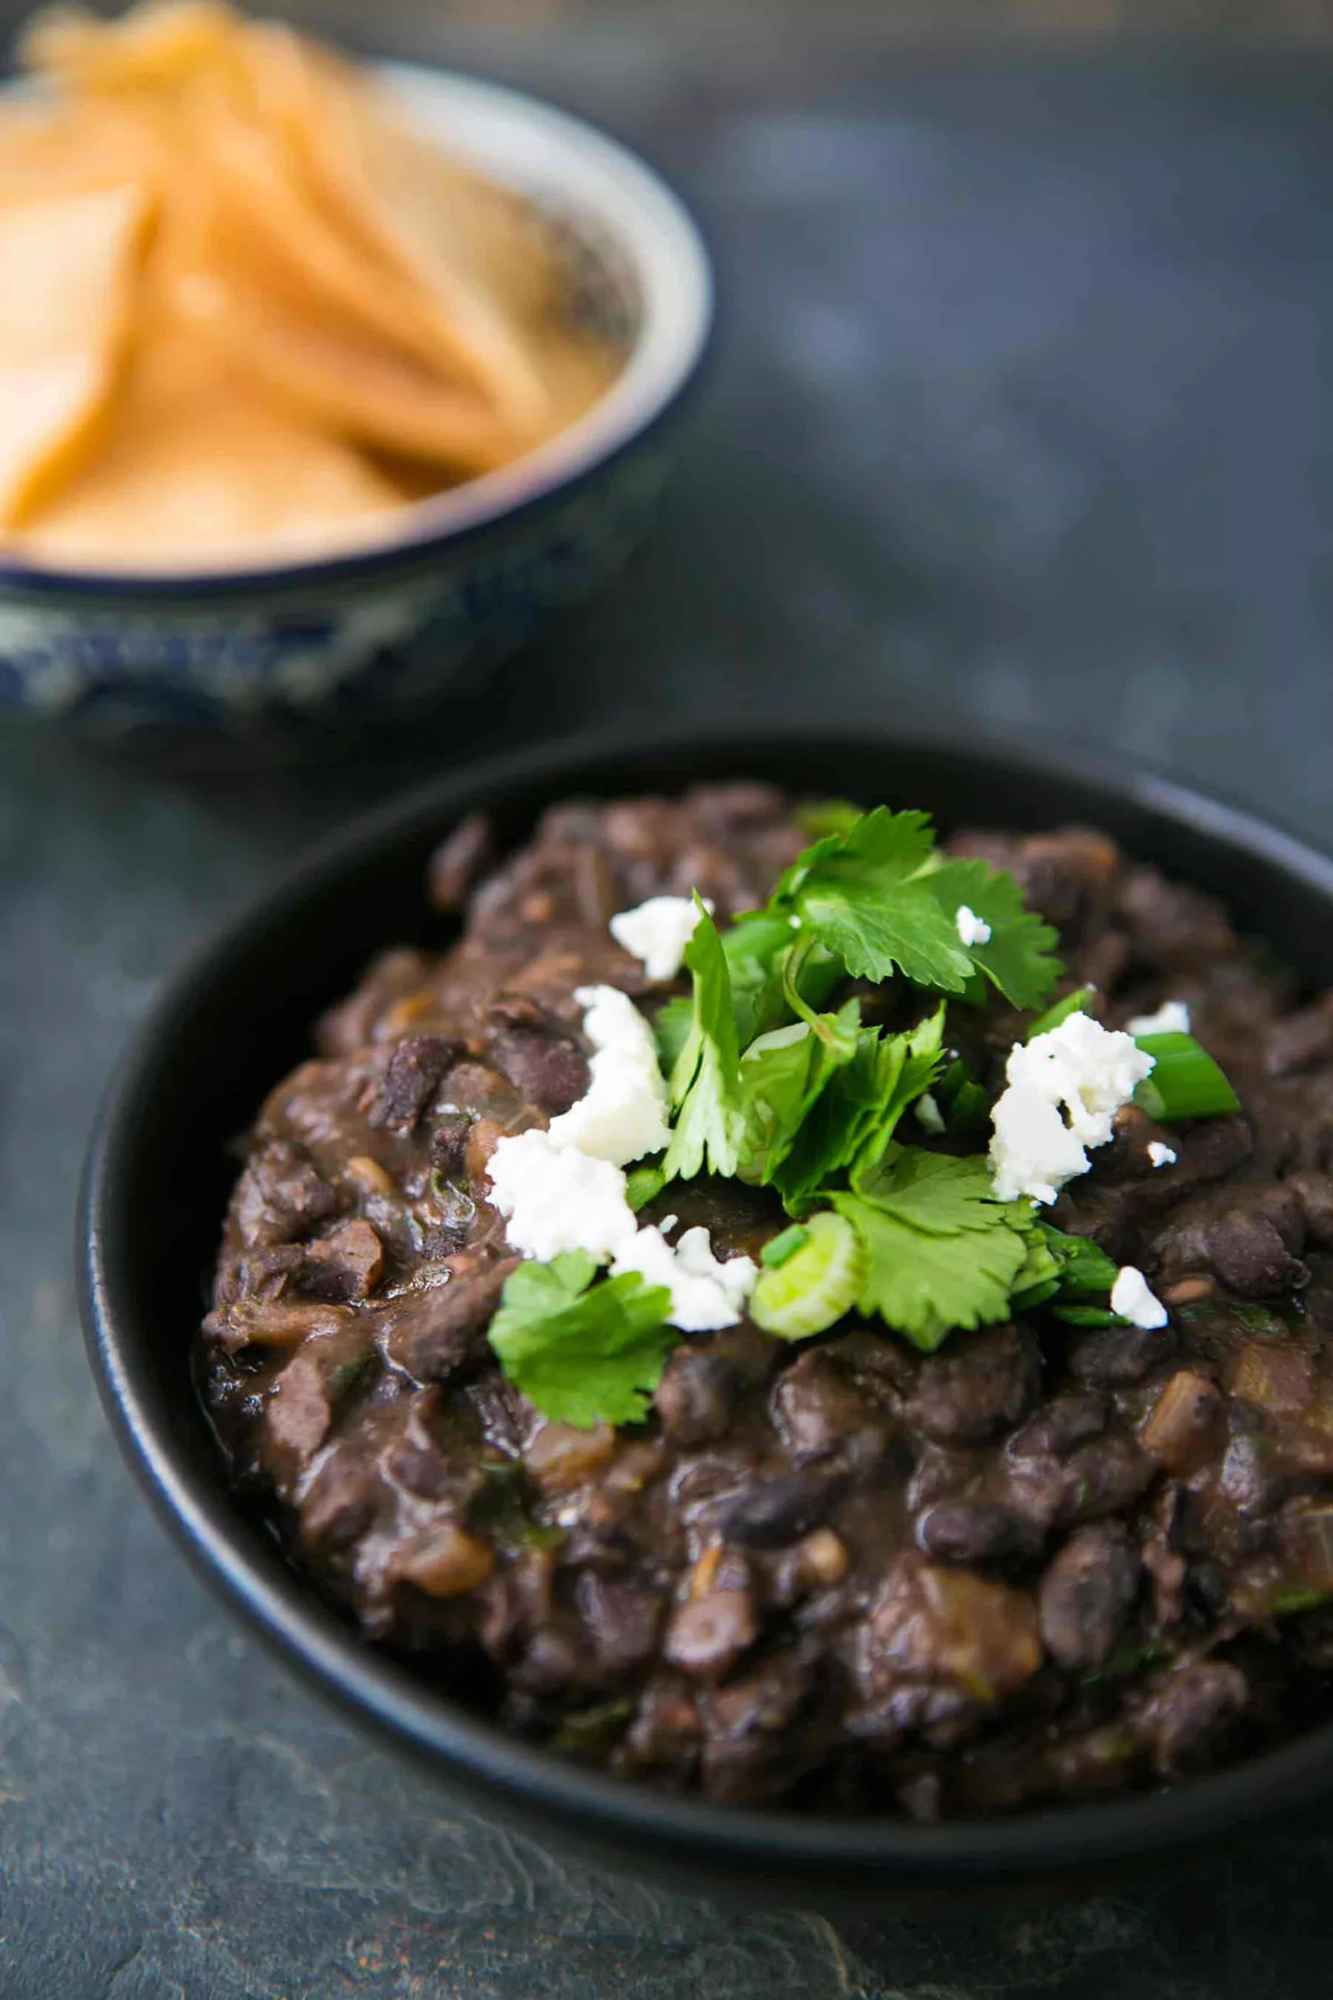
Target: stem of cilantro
column 791, row 972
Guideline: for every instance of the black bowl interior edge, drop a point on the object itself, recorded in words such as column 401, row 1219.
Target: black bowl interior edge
column 240, row 1015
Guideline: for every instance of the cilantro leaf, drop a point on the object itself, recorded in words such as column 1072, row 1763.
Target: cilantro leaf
column 583, row 1355
column 943, row 1252
column 922, row 1057
column 671, row 1028
column 854, row 892
column 705, row 1081
column 1017, row 957
column 926, row 1284
column 877, row 934
column 874, row 892
column 758, row 946
column 781, row 1075
column 893, row 846
column 853, row 1118
column 942, row 1193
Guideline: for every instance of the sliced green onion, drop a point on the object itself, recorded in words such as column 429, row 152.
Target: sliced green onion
column 1088, row 1316
column 1185, row 1082
column 642, row 1185
column 775, row 1254
column 816, row 1285
column 1079, row 1002
column 1034, row 1296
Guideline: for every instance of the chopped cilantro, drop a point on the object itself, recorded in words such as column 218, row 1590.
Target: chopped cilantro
column 942, row 1254
column 671, row 1027
column 854, row 1117
column 584, row 1353
column 705, row 1082
column 875, row 894
column 781, row 1075
column 758, row 948
column 1017, row 957
column 855, row 893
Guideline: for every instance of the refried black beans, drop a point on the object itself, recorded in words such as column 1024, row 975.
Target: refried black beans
column 1042, row 1562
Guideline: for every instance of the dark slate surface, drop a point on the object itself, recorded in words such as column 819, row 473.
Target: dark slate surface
column 1023, row 414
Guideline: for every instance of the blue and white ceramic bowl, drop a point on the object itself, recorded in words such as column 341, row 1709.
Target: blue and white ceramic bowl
column 454, row 582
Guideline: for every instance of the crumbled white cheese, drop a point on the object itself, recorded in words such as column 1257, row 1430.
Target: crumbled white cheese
column 1131, row 1298
column 657, row 932
column 1160, row 1155
column 565, row 1189
column 972, row 929
column 705, row 1294
column 1171, row 1018
column 929, row 1116
column 623, row 1113
column 1064, row 1089
column 555, row 1198
column 1033, row 1152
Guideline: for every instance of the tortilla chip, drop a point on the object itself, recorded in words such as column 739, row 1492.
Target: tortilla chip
column 47, row 150
column 155, row 46
column 352, row 154
column 266, row 223
column 199, row 469
column 67, row 274
column 351, row 386
column 247, row 313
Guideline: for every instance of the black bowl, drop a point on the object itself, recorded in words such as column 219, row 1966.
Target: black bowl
column 157, row 1182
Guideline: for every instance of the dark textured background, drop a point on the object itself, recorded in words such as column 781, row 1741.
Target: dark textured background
column 1022, row 413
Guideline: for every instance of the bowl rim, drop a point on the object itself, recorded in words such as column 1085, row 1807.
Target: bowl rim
column 330, row 1656
column 652, row 228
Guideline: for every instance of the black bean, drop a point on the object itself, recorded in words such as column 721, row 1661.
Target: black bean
column 432, row 1333
column 1248, row 1254
column 1115, row 1355
column 708, row 1635
column 448, row 1143
column 773, row 1512
column 1188, row 1717
column 696, row 1398
column 415, row 1070
column 980, row 1384
column 1108, row 1475
column 974, row 1531
column 1086, row 1595
column 622, row 1619
column 537, row 1053
column 1066, row 1421
column 815, row 1406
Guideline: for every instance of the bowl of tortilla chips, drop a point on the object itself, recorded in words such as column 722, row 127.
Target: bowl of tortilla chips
column 319, row 385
